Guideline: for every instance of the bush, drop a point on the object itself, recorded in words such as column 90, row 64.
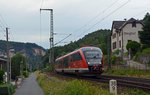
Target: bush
column 117, row 52
column 1, row 76
column 7, row 89
column 113, row 59
column 70, row 87
column 134, row 46
column 146, row 51
column 26, row 74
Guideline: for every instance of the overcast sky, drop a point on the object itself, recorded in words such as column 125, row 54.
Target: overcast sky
column 76, row 17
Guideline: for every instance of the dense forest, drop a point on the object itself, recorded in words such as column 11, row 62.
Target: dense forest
column 31, row 51
column 99, row 38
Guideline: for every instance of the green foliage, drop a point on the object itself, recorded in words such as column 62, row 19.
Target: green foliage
column 134, row 46
column 132, row 72
column 18, row 63
column 137, row 92
column 72, row 87
column 117, row 52
column 146, row 51
column 7, row 89
column 145, row 34
column 26, row 74
column 1, row 76
column 106, row 59
column 98, row 38
column 113, row 59
column 26, row 48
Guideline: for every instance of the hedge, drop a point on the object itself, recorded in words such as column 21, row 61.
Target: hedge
column 1, row 76
column 7, row 89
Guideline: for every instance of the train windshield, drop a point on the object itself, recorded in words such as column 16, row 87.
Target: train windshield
column 93, row 56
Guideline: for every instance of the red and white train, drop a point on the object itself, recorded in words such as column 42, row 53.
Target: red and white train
column 86, row 60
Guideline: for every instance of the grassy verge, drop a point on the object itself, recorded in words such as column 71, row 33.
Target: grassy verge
column 130, row 73
column 72, row 87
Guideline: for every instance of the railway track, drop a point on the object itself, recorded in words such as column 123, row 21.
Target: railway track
column 129, row 82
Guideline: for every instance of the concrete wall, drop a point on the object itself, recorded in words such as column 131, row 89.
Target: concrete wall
column 143, row 58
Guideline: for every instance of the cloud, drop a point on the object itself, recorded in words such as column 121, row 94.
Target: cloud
column 23, row 17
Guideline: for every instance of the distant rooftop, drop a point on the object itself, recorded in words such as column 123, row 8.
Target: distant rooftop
column 120, row 24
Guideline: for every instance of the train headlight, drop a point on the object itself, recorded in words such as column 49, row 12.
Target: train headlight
column 100, row 62
column 88, row 62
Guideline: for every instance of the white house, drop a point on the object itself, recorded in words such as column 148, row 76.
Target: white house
column 123, row 32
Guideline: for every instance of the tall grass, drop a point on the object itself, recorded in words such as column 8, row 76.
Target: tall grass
column 130, row 72
column 74, row 87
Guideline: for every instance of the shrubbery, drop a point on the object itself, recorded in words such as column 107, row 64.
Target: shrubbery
column 134, row 46
column 72, row 87
column 26, row 74
column 113, row 59
column 1, row 76
column 7, row 89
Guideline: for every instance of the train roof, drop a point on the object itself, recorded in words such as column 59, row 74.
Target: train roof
column 1, row 59
column 82, row 49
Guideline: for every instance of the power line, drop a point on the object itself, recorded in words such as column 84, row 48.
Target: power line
column 2, row 27
column 107, row 16
column 3, row 20
column 62, row 40
column 93, row 19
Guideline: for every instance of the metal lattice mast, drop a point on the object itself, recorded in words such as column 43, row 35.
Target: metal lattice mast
column 51, row 39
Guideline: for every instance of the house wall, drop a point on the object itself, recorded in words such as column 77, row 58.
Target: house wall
column 113, row 40
column 131, row 33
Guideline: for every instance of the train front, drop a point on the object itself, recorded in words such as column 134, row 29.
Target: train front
column 94, row 59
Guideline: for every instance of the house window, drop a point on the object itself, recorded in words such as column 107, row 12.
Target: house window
column 114, row 45
column 114, row 35
column 134, row 24
column 120, row 44
column 129, row 40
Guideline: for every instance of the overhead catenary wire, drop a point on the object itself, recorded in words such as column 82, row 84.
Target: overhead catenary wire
column 41, row 22
column 112, row 4
column 62, row 40
column 107, row 15
column 2, row 19
column 104, row 17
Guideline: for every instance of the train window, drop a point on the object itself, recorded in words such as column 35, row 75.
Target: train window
column 92, row 54
column 60, row 63
column 66, row 62
column 76, row 57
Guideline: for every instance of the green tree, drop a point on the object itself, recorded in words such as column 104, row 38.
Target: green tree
column 134, row 46
column 18, row 64
column 145, row 34
column 1, row 76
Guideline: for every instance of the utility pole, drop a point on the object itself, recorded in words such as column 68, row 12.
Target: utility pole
column 108, row 51
column 8, row 75
column 51, row 39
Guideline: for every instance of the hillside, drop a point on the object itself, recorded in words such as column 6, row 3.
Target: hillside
column 98, row 38
column 31, row 51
